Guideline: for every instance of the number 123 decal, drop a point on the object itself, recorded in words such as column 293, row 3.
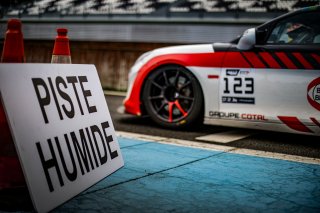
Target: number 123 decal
column 238, row 84
column 237, row 89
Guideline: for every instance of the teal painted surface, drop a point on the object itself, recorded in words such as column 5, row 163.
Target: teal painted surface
column 167, row 178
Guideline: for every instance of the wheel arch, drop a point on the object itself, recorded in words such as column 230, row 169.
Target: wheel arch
column 142, row 107
column 133, row 101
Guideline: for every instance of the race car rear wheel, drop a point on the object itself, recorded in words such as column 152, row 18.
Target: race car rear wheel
column 172, row 97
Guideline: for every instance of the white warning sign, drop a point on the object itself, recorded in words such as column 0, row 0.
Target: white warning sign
column 62, row 129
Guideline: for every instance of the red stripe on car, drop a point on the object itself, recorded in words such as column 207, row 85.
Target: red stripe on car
column 270, row 60
column 315, row 121
column 213, row 76
column 235, row 60
column 193, row 59
column 317, row 57
column 284, row 58
column 294, row 123
column 303, row 61
column 254, row 60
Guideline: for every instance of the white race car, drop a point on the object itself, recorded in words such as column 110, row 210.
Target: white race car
column 269, row 79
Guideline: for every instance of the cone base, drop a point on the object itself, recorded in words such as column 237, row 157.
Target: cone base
column 60, row 59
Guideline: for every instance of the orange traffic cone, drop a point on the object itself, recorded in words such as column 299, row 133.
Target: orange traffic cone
column 11, row 175
column 61, row 50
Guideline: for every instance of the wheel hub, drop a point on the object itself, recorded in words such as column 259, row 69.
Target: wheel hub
column 171, row 93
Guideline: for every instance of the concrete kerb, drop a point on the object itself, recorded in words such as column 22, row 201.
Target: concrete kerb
column 222, row 148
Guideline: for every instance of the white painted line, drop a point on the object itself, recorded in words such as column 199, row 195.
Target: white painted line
column 226, row 137
column 114, row 93
column 223, row 148
column 174, row 141
column 120, row 110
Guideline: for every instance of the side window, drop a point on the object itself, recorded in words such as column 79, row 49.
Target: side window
column 299, row 29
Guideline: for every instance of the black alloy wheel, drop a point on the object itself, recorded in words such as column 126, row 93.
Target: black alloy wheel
column 173, row 97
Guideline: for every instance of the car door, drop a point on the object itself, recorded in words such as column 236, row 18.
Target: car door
column 278, row 79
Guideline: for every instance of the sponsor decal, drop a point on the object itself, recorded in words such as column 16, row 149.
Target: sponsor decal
column 253, row 117
column 218, row 114
column 232, row 72
column 236, row 72
column 235, row 115
column 238, row 100
column 244, row 72
column 313, row 93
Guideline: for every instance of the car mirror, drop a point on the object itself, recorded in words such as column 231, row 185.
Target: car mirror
column 247, row 40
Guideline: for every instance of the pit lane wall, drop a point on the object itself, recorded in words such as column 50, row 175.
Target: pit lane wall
column 113, row 60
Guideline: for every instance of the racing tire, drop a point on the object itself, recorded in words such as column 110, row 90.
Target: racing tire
column 173, row 98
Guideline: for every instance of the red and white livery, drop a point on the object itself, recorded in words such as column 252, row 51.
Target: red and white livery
column 269, row 78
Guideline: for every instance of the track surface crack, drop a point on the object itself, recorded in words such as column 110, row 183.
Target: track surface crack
column 158, row 172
